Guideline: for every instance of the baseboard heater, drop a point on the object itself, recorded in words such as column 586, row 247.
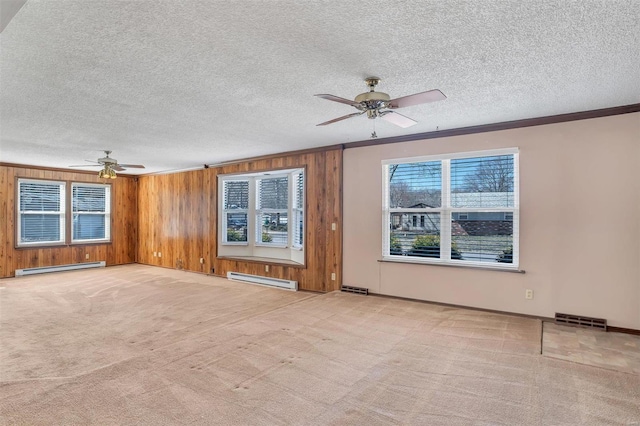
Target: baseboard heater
column 580, row 321
column 256, row 279
column 46, row 269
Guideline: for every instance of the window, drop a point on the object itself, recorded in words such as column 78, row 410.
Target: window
column 298, row 209
column 41, row 212
column 235, row 210
column 272, row 211
column 262, row 215
column 91, row 221
column 469, row 203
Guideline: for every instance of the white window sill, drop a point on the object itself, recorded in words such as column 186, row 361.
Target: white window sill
column 460, row 264
column 272, row 246
column 90, row 241
column 41, row 244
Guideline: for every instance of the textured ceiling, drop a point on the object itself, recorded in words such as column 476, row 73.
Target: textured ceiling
column 177, row 83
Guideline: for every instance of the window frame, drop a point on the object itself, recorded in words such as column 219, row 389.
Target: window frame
column 292, row 251
column 445, row 211
column 66, row 203
column 259, row 211
column 106, row 213
column 62, row 213
column 298, row 209
column 226, row 212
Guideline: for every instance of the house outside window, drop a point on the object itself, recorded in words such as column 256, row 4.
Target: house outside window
column 262, row 215
column 469, row 203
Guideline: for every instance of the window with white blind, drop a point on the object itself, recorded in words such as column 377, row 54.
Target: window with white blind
column 235, row 208
column 41, row 212
column 262, row 215
column 91, row 212
column 457, row 209
column 272, row 211
column 298, row 209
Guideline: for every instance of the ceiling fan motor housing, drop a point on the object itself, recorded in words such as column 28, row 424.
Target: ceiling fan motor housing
column 372, row 100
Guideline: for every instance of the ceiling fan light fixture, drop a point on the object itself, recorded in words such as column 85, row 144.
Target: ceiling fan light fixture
column 107, row 173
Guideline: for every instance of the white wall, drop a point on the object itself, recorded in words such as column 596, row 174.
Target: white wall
column 579, row 223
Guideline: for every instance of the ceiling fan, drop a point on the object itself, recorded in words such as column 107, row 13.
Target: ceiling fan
column 379, row 104
column 109, row 166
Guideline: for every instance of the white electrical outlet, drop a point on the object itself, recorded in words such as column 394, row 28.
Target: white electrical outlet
column 528, row 294
column 86, row 256
column 333, row 226
column 155, row 254
column 333, row 276
column 266, row 268
column 159, row 254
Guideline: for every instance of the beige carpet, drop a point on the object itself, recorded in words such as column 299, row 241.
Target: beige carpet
column 143, row 345
column 615, row 351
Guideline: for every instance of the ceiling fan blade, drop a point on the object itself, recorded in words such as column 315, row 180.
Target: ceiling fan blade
column 132, row 166
column 338, row 99
column 417, row 99
column 397, row 119
column 344, row 117
column 86, row 165
column 118, row 168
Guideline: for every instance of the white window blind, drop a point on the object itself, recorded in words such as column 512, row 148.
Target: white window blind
column 235, row 210
column 91, row 208
column 460, row 209
column 41, row 212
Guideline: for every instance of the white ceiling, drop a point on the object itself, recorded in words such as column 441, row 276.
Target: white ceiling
column 175, row 84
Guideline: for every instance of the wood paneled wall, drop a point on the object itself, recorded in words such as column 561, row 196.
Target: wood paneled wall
column 120, row 251
column 174, row 220
column 178, row 218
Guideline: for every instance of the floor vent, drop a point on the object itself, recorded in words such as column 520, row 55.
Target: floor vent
column 257, row 279
column 45, row 269
column 356, row 290
column 579, row 321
